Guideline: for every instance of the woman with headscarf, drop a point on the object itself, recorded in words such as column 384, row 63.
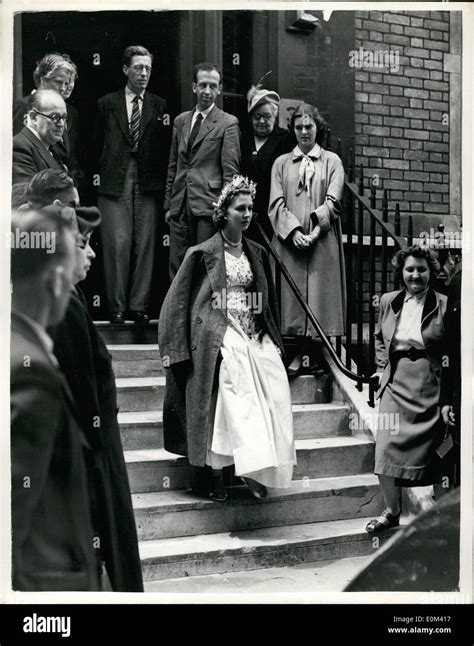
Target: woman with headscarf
column 304, row 210
column 260, row 145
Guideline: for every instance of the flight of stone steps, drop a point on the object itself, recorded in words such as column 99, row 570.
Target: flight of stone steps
column 321, row 517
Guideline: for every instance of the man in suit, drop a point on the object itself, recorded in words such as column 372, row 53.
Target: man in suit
column 56, row 72
column 33, row 146
column 131, row 144
column 205, row 154
column 52, row 518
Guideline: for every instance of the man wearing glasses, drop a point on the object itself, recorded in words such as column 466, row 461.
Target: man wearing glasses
column 131, row 146
column 33, row 145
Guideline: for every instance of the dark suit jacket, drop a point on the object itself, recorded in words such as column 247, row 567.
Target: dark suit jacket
column 66, row 150
column 432, row 331
column 87, row 366
column 51, row 505
column 30, row 156
column 191, row 331
column 114, row 147
column 200, row 174
column 257, row 166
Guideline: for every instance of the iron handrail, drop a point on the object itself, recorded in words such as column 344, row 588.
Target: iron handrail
column 360, row 379
column 376, row 215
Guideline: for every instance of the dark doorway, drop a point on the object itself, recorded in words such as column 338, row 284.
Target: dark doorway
column 95, row 41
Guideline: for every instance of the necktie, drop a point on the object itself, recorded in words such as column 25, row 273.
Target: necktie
column 195, row 130
column 135, row 121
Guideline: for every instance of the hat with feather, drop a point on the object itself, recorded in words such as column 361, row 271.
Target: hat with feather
column 257, row 95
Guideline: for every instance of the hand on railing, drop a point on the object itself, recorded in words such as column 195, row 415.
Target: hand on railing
column 447, row 413
column 377, row 378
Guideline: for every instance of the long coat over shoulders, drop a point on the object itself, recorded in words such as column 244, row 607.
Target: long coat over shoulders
column 193, row 322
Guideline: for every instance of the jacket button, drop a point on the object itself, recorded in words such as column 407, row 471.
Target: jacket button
column 193, row 347
column 199, row 319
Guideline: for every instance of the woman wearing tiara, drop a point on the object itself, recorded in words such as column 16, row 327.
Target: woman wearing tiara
column 227, row 394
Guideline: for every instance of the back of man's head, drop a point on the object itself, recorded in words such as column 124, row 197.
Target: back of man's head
column 49, row 185
column 43, row 261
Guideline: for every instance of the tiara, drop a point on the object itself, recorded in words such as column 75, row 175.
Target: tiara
column 236, row 185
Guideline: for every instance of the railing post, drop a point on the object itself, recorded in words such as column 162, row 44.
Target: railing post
column 361, row 181
column 328, row 139
column 372, row 269
column 410, row 231
column 339, row 148
column 349, row 286
column 350, row 174
column 383, row 278
column 360, row 281
column 373, row 197
column 396, row 282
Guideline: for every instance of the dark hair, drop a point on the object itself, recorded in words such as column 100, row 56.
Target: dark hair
column 19, row 194
column 49, row 63
column 51, row 222
column 206, row 67
column 47, row 185
column 312, row 112
column 421, row 253
column 134, row 50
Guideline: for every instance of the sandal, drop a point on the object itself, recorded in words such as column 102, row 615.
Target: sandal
column 218, row 491
column 258, row 490
column 375, row 525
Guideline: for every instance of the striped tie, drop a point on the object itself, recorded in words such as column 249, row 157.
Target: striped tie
column 135, row 122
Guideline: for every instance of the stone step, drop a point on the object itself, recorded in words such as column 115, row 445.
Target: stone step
column 147, row 393
column 144, row 429
column 196, row 556
column 303, row 578
column 130, row 360
column 158, row 470
column 129, row 332
column 182, row 513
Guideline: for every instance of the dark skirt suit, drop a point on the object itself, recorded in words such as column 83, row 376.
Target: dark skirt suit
column 257, row 166
column 193, row 322
column 409, row 428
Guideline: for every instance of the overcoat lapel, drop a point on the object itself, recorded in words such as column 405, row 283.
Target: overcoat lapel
column 254, row 255
column 187, row 127
column 147, row 114
column 41, row 148
column 215, row 267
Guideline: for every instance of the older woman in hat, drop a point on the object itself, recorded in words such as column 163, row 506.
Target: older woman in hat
column 261, row 144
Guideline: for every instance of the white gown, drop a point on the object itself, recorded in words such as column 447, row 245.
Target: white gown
column 253, row 426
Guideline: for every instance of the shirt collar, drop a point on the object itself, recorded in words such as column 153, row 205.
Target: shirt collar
column 131, row 95
column 44, row 338
column 419, row 298
column 315, row 152
column 206, row 111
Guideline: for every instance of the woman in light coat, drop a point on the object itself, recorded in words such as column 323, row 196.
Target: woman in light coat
column 305, row 209
column 227, row 395
column 409, row 342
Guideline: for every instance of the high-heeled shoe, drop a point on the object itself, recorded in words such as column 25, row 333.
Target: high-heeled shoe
column 258, row 490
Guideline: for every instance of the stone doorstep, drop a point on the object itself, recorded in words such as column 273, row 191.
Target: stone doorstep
column 158, row 470
column 182, row 513
column 256, row 549
column 142, row 430
column 147, row 393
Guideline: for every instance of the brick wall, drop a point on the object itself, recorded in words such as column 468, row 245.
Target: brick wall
column 401, row 117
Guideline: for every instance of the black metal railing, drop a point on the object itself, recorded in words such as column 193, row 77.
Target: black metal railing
column 334, row 352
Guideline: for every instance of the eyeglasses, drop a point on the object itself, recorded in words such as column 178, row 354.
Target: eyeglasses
column 140, row 68
column 55, row 118
column 265, row 117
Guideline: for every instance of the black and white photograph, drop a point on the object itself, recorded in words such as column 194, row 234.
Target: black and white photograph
column 237, row 369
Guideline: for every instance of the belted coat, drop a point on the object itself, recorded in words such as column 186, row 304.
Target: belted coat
column 193, row 322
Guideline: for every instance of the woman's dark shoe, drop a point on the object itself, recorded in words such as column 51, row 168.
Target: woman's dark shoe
column 218, row 491
column 389, row 520
column 258, row 490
